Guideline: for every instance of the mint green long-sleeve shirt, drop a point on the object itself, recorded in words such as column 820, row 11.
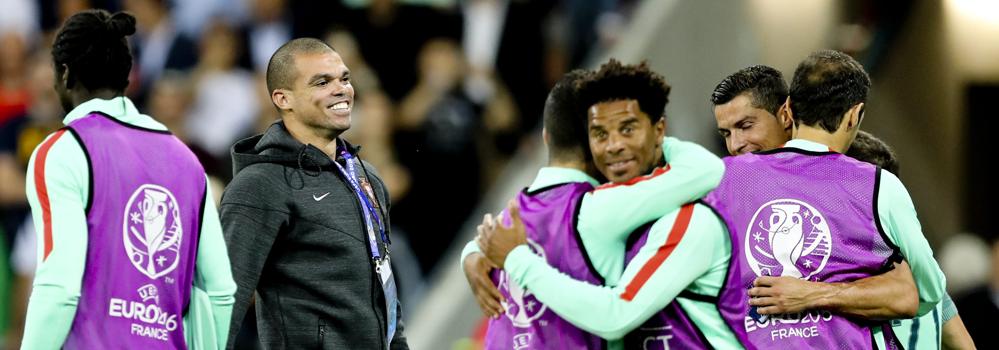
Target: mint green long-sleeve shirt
column 58, row 277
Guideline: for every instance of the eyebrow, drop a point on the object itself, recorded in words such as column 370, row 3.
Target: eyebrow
column 629, row 121
column 346, row 73
column 745, row 119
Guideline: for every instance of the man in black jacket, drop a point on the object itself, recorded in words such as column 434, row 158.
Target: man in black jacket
column 306, row 222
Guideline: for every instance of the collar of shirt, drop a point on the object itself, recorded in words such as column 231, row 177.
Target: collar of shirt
column 120, row 108
column 549, row 176
column 807, row 145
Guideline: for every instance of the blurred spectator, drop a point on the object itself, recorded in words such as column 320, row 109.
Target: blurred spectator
column 980, row 308
column 191, row 16
column 439, row 128
column 18, row 138
column 157, row 46
column 391, row 34
column 13, row 92
column 964, row 259
column 20, row 17
column 170, row 101
column 225, row 105
column 269, row 28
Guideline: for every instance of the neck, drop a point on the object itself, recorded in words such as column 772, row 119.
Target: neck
column 834, row 140
column 81, row 96
column 324, row 140
column 581, row 166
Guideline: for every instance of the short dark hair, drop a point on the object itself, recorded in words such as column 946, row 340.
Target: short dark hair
column 92, row 44
column 870, row 149
column 615, row 81
column 563, row 121
column 826, row 85
column 765, row 85
column 281, row 71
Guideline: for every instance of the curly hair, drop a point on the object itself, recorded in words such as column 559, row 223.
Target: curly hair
column 92, row 45
column 615, row 81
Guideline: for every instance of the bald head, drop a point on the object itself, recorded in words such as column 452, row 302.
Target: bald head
column 281, row 72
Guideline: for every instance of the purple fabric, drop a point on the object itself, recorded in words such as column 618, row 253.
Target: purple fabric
column 549, row 217
column 143, row 226
column 806, row 215
column 666, row 329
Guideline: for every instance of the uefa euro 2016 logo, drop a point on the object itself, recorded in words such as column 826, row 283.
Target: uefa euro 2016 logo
column 152, row 230
column 522, row 307
column 788, row 237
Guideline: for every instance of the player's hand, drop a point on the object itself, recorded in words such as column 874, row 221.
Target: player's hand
column 497, row 240
column 781, row 295
column 477, row 268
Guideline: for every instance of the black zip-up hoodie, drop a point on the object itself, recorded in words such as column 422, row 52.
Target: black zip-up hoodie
column 295, row 234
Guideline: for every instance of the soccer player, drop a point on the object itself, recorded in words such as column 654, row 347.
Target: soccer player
column 620, row 113
column 131, row 253
column 748, row 110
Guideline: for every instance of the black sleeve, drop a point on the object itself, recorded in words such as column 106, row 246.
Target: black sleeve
column 250, row 224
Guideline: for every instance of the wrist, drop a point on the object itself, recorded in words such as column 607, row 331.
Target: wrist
column 828, row 296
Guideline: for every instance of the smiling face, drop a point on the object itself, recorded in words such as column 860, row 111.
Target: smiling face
column 322, row 95
column 624, row 141
column 747, row 128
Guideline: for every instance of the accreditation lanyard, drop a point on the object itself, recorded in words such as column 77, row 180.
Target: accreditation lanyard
column 372, row 220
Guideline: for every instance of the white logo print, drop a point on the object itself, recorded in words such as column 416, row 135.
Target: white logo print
column 320, row 197
column 525, row 306
column 152, row 230
column 788, row 237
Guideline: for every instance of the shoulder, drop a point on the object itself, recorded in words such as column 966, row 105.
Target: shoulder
column 692, row 217
column 258, row 184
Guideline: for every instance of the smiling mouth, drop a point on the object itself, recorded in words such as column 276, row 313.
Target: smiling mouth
column 339, row 106
column 621, row 165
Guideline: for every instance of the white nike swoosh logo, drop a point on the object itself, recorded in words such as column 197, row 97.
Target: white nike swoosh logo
column 320, row 197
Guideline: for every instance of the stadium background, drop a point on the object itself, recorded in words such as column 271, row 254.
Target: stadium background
column 449, row 96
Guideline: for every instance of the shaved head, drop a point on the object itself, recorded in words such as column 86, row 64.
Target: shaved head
column 281, row 71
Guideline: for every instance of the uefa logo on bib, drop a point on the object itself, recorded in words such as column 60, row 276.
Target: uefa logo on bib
column 152, row 230
column 522, row 307
column 788, row 237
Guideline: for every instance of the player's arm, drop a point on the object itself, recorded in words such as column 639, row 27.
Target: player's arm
column 57, row 187
column 212, row 270
column 250, row 224
column 613, row 211
column 886, row 296
column 476, row 268
column 673, row 257
column 955, row 335
column 898, row 218
column 911, row 289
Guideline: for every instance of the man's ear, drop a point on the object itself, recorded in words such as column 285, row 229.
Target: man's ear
column 282, row 99
column 854, row 116
column 66, row 78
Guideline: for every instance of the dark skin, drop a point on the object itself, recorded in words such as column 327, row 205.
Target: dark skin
column 69, row 98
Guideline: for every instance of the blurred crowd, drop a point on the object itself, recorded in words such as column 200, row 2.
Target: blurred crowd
column 446, row 92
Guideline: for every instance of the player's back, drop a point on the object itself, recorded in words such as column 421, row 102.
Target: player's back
column 146, row 200
column 549, row 215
